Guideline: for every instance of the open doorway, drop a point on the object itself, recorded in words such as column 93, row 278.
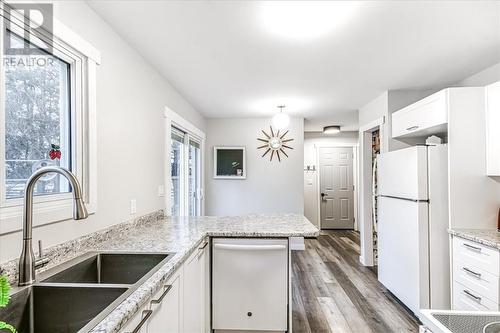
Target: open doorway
column 371, row 145
column 330, row 167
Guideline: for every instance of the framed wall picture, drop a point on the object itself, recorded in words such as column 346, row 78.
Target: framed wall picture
column 229, row 163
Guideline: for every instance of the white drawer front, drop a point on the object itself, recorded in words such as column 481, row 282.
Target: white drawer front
column 476, row 255
column 480, row 281
column 465, row 299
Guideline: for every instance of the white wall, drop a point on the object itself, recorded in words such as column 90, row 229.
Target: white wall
column 131, row 97
column 312, row 140
column 270, row 187
column 482, row 78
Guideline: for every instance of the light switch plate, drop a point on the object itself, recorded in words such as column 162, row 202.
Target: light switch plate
column 133, row 206
column 161, row 190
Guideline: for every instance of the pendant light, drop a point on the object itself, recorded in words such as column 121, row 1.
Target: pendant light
column 281, row 120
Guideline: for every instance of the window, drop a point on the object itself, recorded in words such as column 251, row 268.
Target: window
column 185, row 155
column 176, row 162
column 37, row 121
column 47, row 117
column 194, row 178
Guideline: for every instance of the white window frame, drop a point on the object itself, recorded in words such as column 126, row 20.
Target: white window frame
column 173, row 119
column 83, row 59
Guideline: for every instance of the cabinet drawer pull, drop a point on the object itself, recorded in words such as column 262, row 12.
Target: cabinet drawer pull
column 468, row 293
column 203, row 246
column 473, row 248
column 412, row 128
column 478, row 275
column 158, row 301
column 146, row 314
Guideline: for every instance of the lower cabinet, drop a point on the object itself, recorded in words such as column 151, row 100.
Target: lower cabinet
column 195, row 297
column 165, row 305
column 182, row 304
column 476, row 276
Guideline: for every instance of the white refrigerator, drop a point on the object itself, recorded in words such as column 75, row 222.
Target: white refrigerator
column 413, row 243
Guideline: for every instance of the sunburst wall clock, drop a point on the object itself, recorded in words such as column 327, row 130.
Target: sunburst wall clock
column 275, row 144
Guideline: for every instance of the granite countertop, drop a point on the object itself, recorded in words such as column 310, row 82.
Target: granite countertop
column 488, row 237
column 154, row 233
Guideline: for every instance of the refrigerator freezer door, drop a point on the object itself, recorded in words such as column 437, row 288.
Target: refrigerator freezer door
column 403, row 173
column 403, row 262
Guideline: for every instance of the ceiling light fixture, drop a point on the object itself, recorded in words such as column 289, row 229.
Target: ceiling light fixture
column 331, row 129
column 281, row 120
column 305, row 19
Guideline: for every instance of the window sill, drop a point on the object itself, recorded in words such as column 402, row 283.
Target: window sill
column 43, row 213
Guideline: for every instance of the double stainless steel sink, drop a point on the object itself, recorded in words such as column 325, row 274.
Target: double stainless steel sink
column 76, row 295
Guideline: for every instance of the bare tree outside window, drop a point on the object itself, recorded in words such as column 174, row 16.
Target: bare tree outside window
column 37, row 119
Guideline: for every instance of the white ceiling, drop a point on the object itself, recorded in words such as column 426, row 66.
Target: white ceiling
column 228, row 62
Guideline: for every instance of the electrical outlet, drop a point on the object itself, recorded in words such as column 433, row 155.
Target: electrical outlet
column 161, row 190
column 133, row 206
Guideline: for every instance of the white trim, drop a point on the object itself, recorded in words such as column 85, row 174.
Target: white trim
column 59, row 207
column 371, row 126
column 183, row 124
column 243, row 176
column 173, row 119
column 365, row 188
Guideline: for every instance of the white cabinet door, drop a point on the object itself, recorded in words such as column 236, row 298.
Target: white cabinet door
column 166, row 305
column 423, row 118
column 492, row 129
column 138, row 322
column 250, row 284
column 194, row 291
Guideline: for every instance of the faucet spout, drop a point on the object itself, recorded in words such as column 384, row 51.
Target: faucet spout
column 27, row 259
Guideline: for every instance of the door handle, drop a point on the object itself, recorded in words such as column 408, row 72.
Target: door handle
column 165, row 292
column 239, row 247
column 146, row 314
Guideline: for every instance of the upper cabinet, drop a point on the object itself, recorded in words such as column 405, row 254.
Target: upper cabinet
column 493, row 129
column 424, row 118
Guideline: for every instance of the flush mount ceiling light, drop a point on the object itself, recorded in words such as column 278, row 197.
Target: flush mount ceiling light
column 331, row 129
column 305, row 19
column 281, row 120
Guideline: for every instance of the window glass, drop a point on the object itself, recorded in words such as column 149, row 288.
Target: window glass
column 194, row 178
column 176, row 170
column 37, row 120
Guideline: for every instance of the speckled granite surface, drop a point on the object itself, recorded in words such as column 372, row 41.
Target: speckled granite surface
column 153, row 233
column 488, row 237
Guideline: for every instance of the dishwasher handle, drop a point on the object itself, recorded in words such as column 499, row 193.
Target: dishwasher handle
column 238, row 247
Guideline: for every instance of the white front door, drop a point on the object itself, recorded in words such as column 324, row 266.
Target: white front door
column 336, row 188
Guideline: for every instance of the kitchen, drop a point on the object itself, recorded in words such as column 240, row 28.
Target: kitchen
column 260, row 166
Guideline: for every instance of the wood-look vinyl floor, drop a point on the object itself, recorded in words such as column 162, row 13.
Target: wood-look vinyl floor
column 333, row 292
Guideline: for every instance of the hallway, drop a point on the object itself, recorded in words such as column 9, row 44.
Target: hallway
column 333, row 292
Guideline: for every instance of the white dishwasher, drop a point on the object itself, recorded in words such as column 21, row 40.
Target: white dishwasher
column 250, row 284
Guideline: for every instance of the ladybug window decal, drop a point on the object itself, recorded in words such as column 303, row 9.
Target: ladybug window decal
column 55, row 152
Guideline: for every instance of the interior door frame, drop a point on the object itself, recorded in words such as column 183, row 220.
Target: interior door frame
column 365, row 182
column 355, row 157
